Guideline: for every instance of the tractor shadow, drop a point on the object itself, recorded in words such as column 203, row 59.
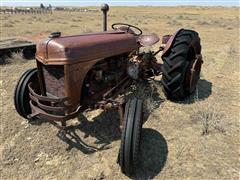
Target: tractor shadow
column 203, row 91
column 105, row 127
column 153, row 154
column 153, row 150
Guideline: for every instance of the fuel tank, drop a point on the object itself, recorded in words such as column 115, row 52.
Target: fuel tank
column 86, row 47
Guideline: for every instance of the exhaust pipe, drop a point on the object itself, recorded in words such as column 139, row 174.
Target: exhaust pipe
column 104, row 9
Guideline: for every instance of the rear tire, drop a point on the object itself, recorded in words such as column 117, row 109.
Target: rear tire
column 177, row 64
column 21, row 93
column 131, row 136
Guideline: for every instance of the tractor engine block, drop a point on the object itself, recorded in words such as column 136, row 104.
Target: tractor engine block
column 103, row 76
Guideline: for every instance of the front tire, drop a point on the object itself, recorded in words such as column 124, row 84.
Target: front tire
column 21, row 93
column 182, row 65
column 131, row 136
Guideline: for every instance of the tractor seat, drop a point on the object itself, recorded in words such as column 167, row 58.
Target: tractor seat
column 148, row 40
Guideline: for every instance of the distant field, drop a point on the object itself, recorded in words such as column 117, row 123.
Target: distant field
column 173, row 145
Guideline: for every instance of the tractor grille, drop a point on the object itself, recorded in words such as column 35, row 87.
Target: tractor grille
column 54, row 79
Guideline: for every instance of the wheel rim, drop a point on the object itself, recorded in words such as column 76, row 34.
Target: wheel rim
column 193, row 72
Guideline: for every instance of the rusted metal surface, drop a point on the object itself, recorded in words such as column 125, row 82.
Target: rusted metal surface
column 74, row 75
column 121, row 85
column 45, row 98
column 92, row 69
column 41, row 80
column 165, row 39
column 170, row 41
column 75, row 49
column 68, row 64
column 54, row 79
column 97, row 87
column 52, row 109
column 69, row 80
column 37, row 112
column 78, row 54
column 148, row 40
column 193, row 75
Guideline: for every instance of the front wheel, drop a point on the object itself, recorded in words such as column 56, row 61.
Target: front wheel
column 131, row 136
column 21, row 93
column 182, row 65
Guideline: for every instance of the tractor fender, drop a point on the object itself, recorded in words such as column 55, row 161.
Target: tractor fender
column 170, row 41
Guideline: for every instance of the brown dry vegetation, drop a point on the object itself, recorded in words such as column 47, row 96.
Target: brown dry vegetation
column 197, row 138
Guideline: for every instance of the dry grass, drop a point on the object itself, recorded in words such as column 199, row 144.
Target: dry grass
column 13, row 58
column 16, row 58
column 173, row 146
column 210, row 117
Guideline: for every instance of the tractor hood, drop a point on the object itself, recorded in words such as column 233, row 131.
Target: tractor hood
column 86, row 47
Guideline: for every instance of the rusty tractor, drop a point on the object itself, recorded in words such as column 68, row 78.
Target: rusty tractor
column 77, row 72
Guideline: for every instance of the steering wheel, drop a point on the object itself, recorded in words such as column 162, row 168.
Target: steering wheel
column 127, row 28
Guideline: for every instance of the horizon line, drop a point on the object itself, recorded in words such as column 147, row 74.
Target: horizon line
column 122, row 3
column 126, row 6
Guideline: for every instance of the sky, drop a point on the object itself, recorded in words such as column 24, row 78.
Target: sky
column 121, row 2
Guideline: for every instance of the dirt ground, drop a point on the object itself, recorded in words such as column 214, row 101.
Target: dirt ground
column 175, row 144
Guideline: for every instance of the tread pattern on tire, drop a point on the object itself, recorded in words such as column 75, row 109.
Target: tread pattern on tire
column 130, row 141
column 137, row 132
column 176, row 63
column 21, row 91
column 121, row 152
column 129, row 138
column 17, row 91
